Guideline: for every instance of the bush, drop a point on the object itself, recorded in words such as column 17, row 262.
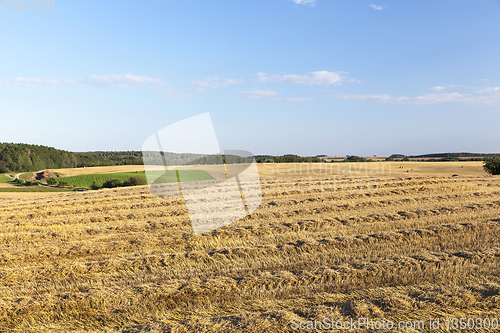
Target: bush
column 492, row 165
column 355, row 159
column 113, row 182
column 62, row 183
column 94, row 186
column 30, row 183
column 19, row 181
column 135, row 181
column 51, row 181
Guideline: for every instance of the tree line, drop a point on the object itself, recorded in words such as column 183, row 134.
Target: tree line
column 21, row 157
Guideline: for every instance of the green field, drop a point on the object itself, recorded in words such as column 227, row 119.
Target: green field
column 26, row 176
column 186, row 176
column 4, row 179
column 167, row 177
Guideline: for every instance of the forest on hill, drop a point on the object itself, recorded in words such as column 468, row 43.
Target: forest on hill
column 21, row 157
column 444, row 157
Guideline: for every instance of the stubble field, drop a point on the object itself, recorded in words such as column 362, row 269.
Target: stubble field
column 418, row 242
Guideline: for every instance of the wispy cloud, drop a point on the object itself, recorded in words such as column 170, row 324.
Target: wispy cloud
column 123, row 81
column 487, row 90
column 296, row 100
column 213, row 83
column 255, row 94
column 484, row 97
column 34, row 81
column 423, row 99
column 377, row 7
column 441, row 88
column 129, row 81
column 309, row 79
column 305, row 2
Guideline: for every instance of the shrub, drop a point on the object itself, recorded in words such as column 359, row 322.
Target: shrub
column 113, row 182
column 94, row 186
column 355, row 159
column 492, row 165
column 30, row 183
column 62, row 183
column 135, row 181
column 19, row 181
column 51, row 181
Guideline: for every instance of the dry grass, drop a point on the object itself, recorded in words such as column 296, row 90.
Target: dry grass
column 122, row 260
column 90, row 170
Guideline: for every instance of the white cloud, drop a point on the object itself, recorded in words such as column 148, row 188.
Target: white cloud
column 441, row 88
column 213, row 83
column 485, row 80
column 255, row 94
column 487, row 90
column 129, row 81
column 423, row 99
column 438, row 88
column 297, row 100
column 309, row 79
column 485, row 97
column 377, row 7
column 35, row 81
column 305, row 2
column 124, row 81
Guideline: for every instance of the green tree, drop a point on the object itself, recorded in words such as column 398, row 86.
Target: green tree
column 4, row 167
column 492, row 165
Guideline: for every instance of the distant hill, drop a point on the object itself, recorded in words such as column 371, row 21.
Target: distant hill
column 20, row 157
column 455, row 155
column 445, row 156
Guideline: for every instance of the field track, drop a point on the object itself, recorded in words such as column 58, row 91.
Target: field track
column 122, row 260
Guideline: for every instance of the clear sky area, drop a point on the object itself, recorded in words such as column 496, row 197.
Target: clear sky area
column 305, row 77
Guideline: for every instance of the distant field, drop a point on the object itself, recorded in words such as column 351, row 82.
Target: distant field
column 32, row 189
column 383, row 168
column 168, row 177
column 67, row 172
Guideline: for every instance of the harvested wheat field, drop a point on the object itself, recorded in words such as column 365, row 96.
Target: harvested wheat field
column 406, row 247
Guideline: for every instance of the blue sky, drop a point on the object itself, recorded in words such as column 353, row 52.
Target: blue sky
column 308, row 77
